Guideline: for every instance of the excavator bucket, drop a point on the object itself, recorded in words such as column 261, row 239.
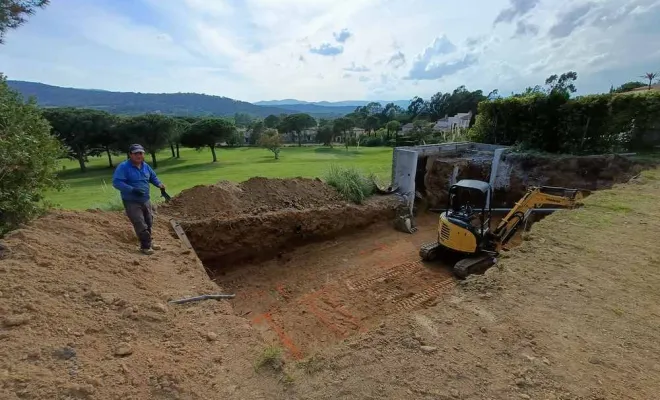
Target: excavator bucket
column 404, row 220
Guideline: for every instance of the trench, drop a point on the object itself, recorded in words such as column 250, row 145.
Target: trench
column 311, row 277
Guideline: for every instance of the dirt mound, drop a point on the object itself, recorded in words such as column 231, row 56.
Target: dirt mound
column 84, row 315
column 255, row 196
column 225, row 241
column 221, row 199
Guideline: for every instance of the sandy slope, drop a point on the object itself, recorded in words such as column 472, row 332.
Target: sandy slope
column 75, row 293
column 574, row 313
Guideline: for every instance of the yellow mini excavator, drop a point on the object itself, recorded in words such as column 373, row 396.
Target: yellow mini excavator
column 464, row 229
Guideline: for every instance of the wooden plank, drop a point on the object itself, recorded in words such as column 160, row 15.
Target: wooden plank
column 181, row 233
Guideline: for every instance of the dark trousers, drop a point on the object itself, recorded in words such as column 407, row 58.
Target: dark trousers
column 142, row 219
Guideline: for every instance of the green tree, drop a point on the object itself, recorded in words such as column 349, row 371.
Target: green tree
column 256, row 130
column 272, row 141
column 77, row 131
column 180, row 125
column 208, row 132
column 393, row 127
column 562, row 84
column 393, row 112
column 325, row 135
column 297, row 123
column 14, row 13
column 272, row 121
column 105, row 133
column 28, row 159
column 150, row 130
column 344, row 126
column 236, row 139
column 650, row 76
column 242, row 120
column 324, row 122
column 418, row 107
column 372, row 123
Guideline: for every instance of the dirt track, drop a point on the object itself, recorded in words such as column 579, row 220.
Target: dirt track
column 573, row 313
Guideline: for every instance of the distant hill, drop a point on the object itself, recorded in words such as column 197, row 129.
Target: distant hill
column 131, row 103
column 288, row 103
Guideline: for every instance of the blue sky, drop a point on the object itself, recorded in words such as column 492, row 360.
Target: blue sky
column 333, row 49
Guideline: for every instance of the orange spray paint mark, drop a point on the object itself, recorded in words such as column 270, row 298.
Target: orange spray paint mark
column 284, row 338
column 325, row 320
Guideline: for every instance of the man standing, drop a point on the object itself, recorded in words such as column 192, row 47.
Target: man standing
column 132, row 178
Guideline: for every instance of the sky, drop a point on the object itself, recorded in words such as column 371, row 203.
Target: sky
column 333, row 50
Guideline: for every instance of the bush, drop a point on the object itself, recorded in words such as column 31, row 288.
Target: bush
column 584, row 125
column 28, row 159
column 351, row 183
column 371, row 141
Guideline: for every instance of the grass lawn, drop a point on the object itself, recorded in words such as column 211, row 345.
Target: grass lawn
column 94, row 187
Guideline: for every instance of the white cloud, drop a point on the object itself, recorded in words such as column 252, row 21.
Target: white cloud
column 393, row 49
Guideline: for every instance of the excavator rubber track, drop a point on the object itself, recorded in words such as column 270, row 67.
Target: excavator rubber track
column 471, row 265
column 429, row 251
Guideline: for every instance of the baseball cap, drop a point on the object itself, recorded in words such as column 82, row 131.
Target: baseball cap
column 136, row 148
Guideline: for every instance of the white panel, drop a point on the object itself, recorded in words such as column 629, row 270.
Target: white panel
column 405, row 170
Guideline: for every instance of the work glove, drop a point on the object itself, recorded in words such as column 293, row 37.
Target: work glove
column 138, row 192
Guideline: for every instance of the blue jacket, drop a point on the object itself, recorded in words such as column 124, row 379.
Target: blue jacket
column 128, row 177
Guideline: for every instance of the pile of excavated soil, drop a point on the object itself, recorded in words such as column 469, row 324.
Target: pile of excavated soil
column 83, row 315
column 260, row 218
column 254, row 196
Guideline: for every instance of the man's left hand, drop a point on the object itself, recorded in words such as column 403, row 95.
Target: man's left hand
column 162, row 186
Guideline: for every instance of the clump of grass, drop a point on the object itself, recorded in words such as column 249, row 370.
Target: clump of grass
column 351, row 183
column 113, row 202
column 271, row 357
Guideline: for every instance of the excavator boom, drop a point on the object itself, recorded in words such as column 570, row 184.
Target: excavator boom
column 535, row 197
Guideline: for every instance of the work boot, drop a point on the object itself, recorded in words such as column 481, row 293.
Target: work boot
column 147, row 251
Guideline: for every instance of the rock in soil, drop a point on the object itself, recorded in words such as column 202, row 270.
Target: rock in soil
column 16, row 320
column 123, row 350
column 64, row 353
column 428, row 349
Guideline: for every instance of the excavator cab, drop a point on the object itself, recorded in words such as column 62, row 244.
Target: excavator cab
column 465, row 224
column 467, row 203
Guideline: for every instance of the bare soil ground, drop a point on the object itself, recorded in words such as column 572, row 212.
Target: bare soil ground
column 322, row 293
column 572, row 313
column 83, row 315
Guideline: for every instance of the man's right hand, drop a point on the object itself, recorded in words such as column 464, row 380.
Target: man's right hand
column 138, row 192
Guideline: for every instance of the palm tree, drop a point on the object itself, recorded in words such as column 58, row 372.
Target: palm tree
column 650, row 76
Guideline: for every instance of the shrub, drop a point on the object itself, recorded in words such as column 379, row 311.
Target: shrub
column 28, row 159
column 367, row 141
column 350, row 183
column 584, row 125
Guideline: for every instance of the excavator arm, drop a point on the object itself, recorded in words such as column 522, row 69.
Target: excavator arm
column 535, row 197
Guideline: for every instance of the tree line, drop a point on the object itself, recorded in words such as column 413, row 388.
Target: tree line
column 85, row 133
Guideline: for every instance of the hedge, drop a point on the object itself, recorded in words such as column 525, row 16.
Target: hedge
column 584, row 125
